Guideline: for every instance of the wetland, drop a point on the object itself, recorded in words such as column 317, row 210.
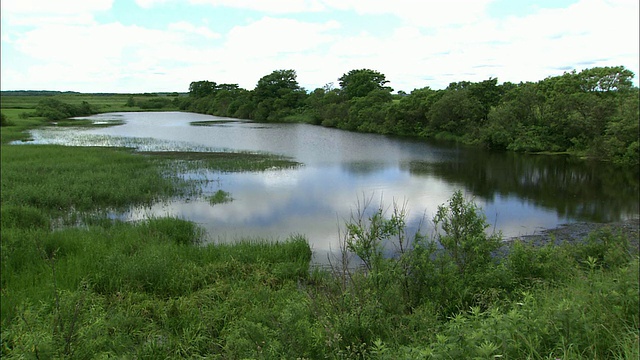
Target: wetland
column 324, row 172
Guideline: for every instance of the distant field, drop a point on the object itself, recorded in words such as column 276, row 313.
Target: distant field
column 19, row 101
column 19, row 107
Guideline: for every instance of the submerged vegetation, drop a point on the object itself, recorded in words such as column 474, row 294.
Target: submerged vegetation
column 591, row 113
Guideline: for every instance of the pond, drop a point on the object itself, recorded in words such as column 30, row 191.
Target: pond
column 520, row 194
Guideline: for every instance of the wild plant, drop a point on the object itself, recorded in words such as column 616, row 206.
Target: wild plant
column 463, row 236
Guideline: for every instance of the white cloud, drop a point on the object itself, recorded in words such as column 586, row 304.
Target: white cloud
column 186, row 27
column 271, row 36
column 42, row 12
column 433, row 44
column 429, row 14
column 54, row 7
column 268, row 6
column 528, row 48
column 146, row 4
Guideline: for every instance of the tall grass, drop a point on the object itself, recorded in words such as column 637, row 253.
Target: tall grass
column 136, row 282
column 57, row 178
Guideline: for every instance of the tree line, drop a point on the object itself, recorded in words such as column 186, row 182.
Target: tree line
column 591, row 113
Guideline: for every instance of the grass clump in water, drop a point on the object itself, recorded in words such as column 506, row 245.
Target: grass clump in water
column 226, row 161
column 220, row 197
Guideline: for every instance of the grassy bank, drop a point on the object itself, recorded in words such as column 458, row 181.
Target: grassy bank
column 114, row 288
column 152, row 290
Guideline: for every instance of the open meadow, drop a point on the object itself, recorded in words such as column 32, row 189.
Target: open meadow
column 78, row 284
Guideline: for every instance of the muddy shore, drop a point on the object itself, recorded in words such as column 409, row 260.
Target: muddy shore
column 576, row 232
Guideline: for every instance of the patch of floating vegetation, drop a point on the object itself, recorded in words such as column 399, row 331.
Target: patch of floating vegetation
column 80, row 137
column 228, row 161
column 230, row 122
column 191, row 156
column 218, row 122
column 220, row 197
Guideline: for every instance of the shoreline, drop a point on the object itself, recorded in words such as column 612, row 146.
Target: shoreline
column 576, row 232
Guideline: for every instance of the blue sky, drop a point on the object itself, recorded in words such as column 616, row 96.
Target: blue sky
column 163, row 45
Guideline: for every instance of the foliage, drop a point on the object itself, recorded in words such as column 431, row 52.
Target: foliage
column 53, row 109
column 528, row 302
column 591, row 113
column 220, row 197
column 359, row 83
column 156, row 103
column 464, row 237
column 5, row 121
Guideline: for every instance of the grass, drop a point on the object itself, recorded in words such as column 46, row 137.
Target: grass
column 59, row 178
column 103, row 102
column 220, row 197
column 226, row 161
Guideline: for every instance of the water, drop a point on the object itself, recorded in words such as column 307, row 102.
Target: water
column 520, row 194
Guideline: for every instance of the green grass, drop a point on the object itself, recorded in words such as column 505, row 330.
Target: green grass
column 220, row 197
column 225, row 161
column 58, row 178
column 104, row 103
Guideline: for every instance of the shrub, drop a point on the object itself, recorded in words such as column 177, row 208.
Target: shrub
column 464, row 238
column 52, row 109
column 4, row 121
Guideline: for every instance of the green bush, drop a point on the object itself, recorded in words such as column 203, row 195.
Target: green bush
column 4, row 121
column 53, row 109
column 604, row 249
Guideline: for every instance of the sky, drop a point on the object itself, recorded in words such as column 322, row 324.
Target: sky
column 133, row 46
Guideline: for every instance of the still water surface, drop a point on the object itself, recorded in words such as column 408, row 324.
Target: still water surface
column 520, row 194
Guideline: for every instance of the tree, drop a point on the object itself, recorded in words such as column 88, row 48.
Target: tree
column 276, row 84
column 277, row 94
column 456, row 112
column 203, row 88
column 605, row 79
column 359, row 83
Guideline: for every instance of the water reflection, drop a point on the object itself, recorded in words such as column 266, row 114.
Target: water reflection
column 580, row 190
column 520, row 194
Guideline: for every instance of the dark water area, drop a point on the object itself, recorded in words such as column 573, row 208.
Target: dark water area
column 573, row 188
column 520, row 194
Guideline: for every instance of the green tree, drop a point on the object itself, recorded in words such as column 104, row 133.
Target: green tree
column 414, row 108
column 359, row 83
column 605, row 79
column 198, row 89
column 368, row 113
column 621, row 139
column 277, row 84
column 488, row 93
column 456, row 113
column 276, row 95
